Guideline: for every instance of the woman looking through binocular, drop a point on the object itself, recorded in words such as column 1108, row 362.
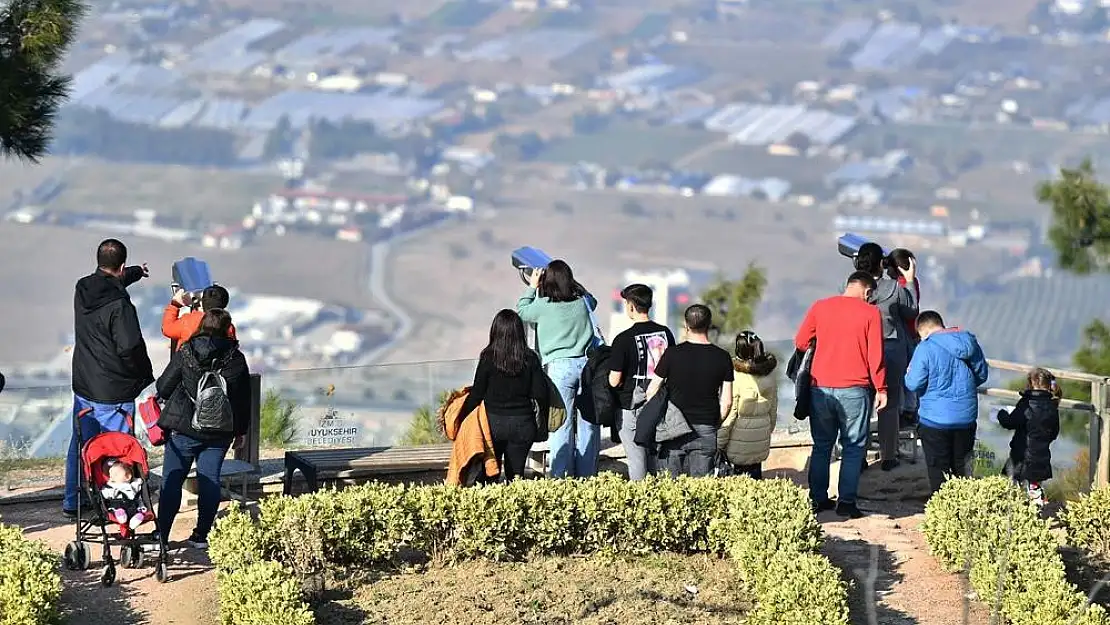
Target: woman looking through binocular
column 561, row 311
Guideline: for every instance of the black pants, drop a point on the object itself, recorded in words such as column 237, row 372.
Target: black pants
column 947, row 452
column 754, row 471
column 513, row 436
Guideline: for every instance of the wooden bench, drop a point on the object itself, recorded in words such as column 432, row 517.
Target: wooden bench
column 337, row 464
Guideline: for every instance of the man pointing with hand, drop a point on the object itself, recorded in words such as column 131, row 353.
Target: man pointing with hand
column 848, row 382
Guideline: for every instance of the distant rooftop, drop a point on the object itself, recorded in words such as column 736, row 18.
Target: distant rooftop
column 229, row 52
column 547, row 44
column 757, row 124
column 334, row 42
column 653, row 77
column 302, row 106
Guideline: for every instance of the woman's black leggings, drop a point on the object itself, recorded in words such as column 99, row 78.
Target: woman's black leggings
column 513, row 436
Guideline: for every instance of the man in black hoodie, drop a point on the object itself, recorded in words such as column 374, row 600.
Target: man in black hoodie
column 110, row 363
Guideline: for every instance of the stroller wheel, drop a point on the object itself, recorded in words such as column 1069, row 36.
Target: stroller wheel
column 129, row 556
column 162, row 573
column 76, row 556
column 109, row 576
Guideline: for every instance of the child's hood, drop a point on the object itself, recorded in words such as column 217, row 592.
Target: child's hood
column 760, row 367
column 959, row 343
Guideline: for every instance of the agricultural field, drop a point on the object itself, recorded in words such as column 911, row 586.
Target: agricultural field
column 627, row 145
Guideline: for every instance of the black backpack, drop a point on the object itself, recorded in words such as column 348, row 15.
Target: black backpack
column 212, row 412
column 597, row 401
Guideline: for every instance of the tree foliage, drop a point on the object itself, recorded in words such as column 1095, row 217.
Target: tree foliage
column 1080, row 231
column 734, row 302
column 424, row 428
column 278, row 420
column 34, row 36
column 1080, row 234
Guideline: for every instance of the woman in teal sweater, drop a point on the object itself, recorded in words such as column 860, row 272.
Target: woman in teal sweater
column 560, row 309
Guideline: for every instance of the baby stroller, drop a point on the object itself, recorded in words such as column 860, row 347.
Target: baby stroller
column 94, row 452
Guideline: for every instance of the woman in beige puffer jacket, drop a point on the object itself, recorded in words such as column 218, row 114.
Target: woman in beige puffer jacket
column 745, row 435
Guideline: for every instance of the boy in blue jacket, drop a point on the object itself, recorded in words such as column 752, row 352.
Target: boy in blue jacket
column 945, row 372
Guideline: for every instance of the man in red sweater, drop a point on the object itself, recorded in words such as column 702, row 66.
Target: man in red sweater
column 848, row 382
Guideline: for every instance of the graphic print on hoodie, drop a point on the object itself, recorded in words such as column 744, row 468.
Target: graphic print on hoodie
column 110, row 362
column 946, row 370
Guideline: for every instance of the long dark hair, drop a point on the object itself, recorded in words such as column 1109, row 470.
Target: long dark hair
column 508, row 347
column 557, row 283
column 214, row 323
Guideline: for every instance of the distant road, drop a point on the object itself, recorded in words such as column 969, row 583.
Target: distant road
column 379, row 254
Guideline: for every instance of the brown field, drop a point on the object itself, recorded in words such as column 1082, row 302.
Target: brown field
column 46, row 261
column 96, row 186
column 454, row 279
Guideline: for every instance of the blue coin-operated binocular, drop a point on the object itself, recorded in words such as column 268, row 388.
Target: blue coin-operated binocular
column 849, row 244
column 527, row 259
column 193, row 276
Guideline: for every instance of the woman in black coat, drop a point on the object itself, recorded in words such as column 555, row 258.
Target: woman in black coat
column 201, row 439
column 1036, row 424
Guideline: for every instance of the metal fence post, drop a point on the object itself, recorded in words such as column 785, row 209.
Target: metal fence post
column 249, row 452
column 1101, row 457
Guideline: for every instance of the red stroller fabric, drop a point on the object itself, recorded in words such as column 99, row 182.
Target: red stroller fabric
column 107, row 445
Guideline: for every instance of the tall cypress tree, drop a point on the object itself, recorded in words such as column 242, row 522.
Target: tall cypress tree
column 34, row 36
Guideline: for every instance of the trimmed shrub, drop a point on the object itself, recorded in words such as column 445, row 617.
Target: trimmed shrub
column 791, row 587
column 991, row 525
column 262, row 593
column 766, row 525
column 29, row 580
column 236, row 542
column 1087, row 520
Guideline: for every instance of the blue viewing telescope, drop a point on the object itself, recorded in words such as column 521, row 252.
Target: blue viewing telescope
column 527, row 259
column 848, row 245
column 191, row 275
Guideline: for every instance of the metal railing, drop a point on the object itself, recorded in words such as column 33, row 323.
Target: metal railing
column 1099, row 432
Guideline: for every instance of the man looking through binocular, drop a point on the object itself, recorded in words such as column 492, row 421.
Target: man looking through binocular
column 180, row 328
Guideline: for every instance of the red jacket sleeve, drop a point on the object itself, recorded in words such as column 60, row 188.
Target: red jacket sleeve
column 875, row 351
column 807, row 331
column 172, row 325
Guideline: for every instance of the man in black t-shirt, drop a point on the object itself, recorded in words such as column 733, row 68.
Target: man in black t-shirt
column 634, row 357
column 699, row 379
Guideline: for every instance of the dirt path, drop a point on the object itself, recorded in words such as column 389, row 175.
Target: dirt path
column 896, row 581
column 189, row 598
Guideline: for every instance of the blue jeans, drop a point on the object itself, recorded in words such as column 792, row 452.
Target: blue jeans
column 181, row 452
column 575, row 445
column 845, row 412
column 641, row 460
column 103, row 418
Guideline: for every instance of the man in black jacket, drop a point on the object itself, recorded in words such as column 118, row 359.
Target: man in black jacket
column 110, row 363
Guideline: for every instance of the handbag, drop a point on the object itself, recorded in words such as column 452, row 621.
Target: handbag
column 150, row 411
column 557, row 414
column 660, row 420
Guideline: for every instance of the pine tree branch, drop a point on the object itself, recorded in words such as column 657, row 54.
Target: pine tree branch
column 34, row 37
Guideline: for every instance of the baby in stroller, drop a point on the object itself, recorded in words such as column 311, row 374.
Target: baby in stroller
column 122, row 497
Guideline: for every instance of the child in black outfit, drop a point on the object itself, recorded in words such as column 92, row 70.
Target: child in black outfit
column 1036, row 424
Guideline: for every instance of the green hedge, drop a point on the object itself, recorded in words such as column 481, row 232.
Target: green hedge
column 1087, row 520
column 29, row 580
column 990, row 524
column 766, row 526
